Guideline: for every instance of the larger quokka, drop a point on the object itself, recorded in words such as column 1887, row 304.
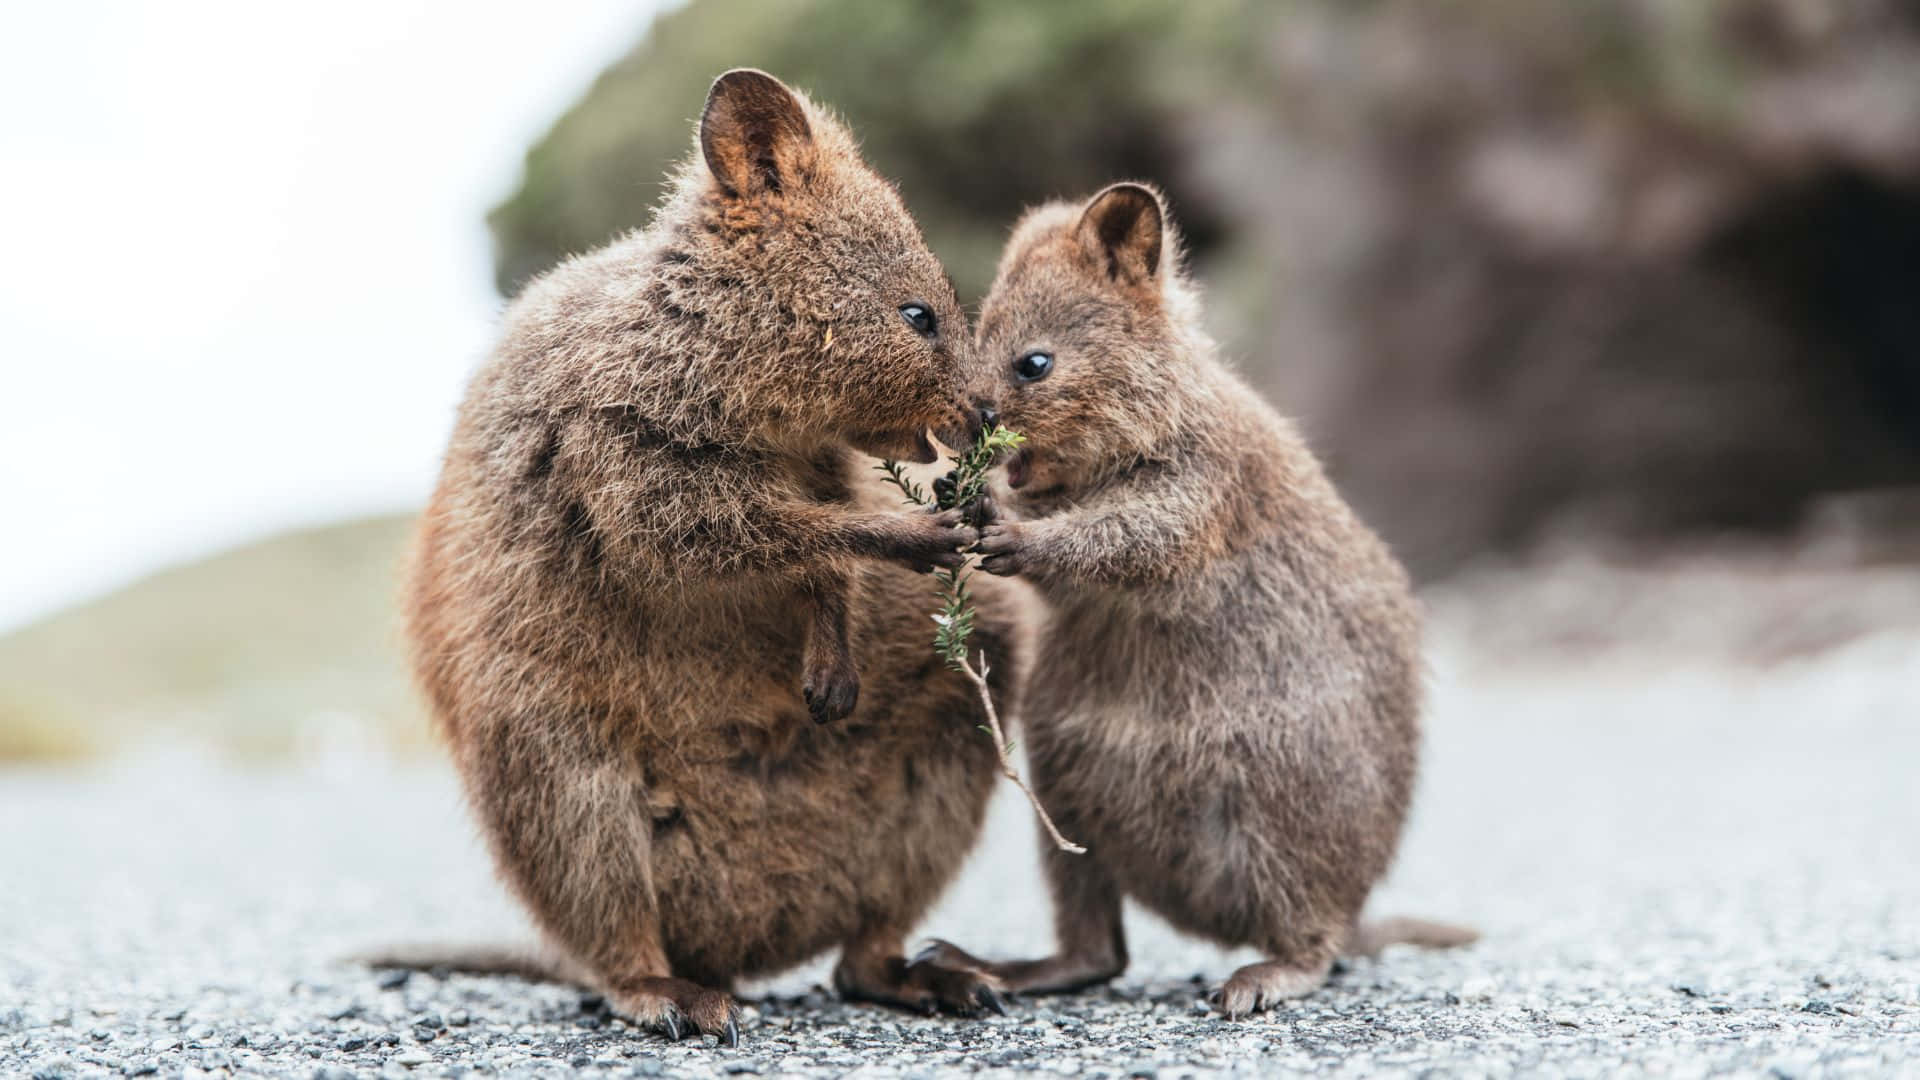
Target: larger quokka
column 647, row 564
column 1226, row 694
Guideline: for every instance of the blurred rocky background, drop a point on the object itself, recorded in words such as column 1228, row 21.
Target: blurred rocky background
column 1622, row 276
column 1629, row 267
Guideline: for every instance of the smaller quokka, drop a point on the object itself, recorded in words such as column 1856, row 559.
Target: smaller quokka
column 1225, row 702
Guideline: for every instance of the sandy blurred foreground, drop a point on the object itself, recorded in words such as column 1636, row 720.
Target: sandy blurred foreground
column 285, row 648
column 1677, row 797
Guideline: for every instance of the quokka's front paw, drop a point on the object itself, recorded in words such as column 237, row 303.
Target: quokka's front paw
column 926, row 541
column 1005, row 548
column 985, row 511
column 831, row 691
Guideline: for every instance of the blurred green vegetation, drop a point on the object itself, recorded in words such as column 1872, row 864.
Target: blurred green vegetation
column 974, row 108
column 287, row 646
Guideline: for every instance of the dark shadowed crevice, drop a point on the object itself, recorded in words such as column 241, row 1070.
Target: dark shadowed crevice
column 1841, row 257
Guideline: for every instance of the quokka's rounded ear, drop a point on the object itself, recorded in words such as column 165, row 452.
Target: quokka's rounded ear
column 1123, row 227
column 754, row 133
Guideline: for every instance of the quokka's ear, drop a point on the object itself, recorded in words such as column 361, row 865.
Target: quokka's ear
column 754, row 133
column 1122, row 227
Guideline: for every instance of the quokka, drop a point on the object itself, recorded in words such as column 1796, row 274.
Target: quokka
column 1227, row 685
column 655, row 558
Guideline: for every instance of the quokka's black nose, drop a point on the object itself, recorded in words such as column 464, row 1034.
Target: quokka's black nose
column 989, row 416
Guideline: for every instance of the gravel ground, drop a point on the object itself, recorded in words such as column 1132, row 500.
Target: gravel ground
column 1684, row 866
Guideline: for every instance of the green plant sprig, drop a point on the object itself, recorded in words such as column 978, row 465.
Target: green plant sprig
column 961, row 489
column 897, row 473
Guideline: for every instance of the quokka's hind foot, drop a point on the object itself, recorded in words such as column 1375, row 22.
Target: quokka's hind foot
column 1090, row 940
column 1268, row 983
column 677, row 1008
column 1058, row 974
column 919, row 985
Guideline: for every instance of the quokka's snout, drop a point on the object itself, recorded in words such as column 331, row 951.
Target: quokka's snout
column 964, row 422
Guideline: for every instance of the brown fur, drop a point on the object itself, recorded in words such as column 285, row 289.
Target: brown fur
column 651, row 555
column 1225, row 700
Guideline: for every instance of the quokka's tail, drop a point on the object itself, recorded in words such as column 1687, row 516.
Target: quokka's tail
column 1368, row 938
column 533, row 962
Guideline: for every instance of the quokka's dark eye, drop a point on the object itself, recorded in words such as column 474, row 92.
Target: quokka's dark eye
column 920, row 317
column 1033, row 367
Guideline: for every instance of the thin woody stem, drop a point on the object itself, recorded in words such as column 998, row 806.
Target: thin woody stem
column 956, row 618
column 979, row 679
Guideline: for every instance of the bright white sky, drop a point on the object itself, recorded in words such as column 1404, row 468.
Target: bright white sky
column 243, row 266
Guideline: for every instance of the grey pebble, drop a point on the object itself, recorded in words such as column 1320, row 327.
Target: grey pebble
column 392, row 979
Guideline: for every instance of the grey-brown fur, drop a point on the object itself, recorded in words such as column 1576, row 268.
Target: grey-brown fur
column 1226, row 694
column 653, row 554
